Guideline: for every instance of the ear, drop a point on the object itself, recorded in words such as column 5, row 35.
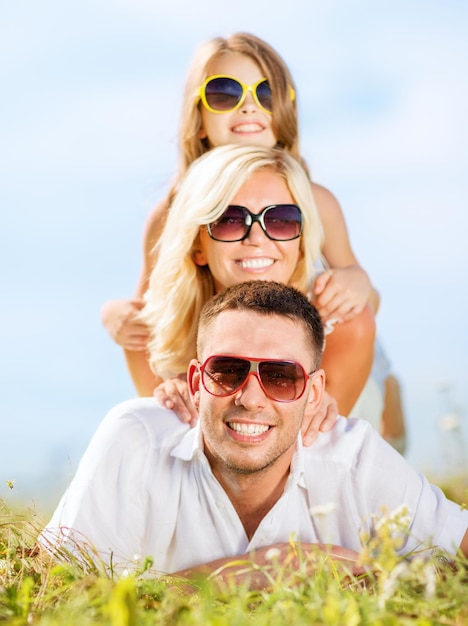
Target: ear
column 199, row 258
column 317, row 388
column 202, row 133
column 194, row 382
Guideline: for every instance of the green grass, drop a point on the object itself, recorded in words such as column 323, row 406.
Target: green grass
column 34, row 589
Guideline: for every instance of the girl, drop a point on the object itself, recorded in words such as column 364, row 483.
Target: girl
column 240, row 91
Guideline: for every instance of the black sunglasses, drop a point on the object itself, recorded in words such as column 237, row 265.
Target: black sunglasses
column 279, row 222
column 283, row 381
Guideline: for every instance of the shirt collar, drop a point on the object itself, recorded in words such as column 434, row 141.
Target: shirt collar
column 191, row 444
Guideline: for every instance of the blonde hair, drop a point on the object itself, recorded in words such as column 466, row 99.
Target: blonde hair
column 178, row 287
column 273, row 68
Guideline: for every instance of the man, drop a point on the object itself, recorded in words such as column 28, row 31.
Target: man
column 241, row 482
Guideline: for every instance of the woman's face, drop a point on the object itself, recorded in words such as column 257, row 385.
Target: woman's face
column 248, row 124
column 257, row 257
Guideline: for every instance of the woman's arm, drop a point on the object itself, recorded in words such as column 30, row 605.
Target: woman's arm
column 347, row 359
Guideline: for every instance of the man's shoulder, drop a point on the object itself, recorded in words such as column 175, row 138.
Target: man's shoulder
column 345, row 442
column 349, row 427
column 146, row 417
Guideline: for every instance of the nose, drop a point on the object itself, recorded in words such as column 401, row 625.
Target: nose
column 251, row 396
column 249, row 103
column 256, row 236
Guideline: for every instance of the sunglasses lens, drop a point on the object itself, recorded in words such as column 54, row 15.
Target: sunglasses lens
column 283, row 381
column 264, row 96
column 222, row 94
column 223, row 375
column 283, row 222
column 231, row 226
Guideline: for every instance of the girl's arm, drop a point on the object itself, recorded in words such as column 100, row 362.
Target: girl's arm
column 344, row 290
column 120, row 317
column 344, row 293
column 142, row 376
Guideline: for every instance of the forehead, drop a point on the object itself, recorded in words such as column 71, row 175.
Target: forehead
column 251, row 334
column 263, row 188
column 236, row 65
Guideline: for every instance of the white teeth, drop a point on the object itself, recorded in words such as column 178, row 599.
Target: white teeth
column 247, row 128
column 255, row 263
column 248, row 429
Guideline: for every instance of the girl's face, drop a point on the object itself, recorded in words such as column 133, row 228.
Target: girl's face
column 248, row 124
column 257, row 257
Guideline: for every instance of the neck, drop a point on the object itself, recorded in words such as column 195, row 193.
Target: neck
column 255, row 493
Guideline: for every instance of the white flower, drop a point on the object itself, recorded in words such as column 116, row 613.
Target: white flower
column 397, row 518
column 323, row 509
column 272, row 554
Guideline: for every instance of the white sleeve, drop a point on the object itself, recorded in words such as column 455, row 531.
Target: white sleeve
column 384, row 480
column 106, row 501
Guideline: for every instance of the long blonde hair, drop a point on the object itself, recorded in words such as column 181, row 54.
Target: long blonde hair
column 178, row 287
column 273, row 68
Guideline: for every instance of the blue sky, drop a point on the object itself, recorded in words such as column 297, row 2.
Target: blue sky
column 88, row 122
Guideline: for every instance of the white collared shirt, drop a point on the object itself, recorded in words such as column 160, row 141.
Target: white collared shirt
column 145, row 488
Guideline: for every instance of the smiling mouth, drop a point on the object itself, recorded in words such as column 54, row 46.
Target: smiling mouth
column 248, row 429
column 247, row 128
column 255, row 264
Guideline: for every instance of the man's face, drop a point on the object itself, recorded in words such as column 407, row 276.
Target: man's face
column 247, row 432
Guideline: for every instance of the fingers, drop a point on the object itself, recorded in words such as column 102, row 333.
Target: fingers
column 319, row 420
column 355, row 310
column 330, row 409
column 173, row 394
column 138, row 343
column 321, row 282
column 310, row 425
column 137, row 304
column 133, row 336
column 341, row 293
column 341, row 307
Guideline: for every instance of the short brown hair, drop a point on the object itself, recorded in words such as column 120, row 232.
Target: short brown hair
column 266, row 298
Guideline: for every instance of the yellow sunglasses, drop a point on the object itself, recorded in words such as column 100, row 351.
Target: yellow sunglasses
column 222, row 94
